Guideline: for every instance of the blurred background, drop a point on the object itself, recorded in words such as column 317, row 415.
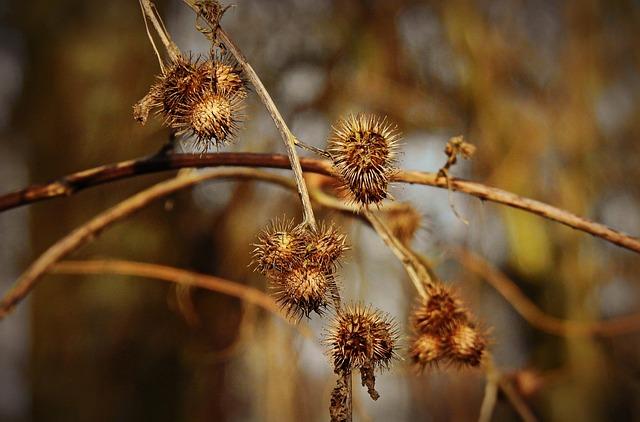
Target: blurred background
column 548, row 91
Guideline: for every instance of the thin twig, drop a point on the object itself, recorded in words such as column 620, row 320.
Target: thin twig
column 490, row 391
column 533, row 314
column 417, row 272
column 516, row 401
column 76, row 182
column 170, row 274
column 150, row 12
column 218, row 34
column 287, row 136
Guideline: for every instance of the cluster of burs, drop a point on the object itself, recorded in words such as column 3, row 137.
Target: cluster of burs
column 203, row 98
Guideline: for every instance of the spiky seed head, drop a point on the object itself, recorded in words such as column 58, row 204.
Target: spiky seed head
column 439, row 313
column 213, row 118
column 199, row 97
column 359, row 337
column 427, row 350
column 280, row 247
column 301, row 291
column 466, row 346
column 226, row 75
column 325, row 247
column 363, row 149
column 404, row 221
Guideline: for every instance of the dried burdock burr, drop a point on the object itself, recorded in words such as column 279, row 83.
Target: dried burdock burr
column 280, row 247
column 466, row 346
column 427, row 350
column 198, row 97
column 439, row 312
column 363, row 149
column 325, row 247
column 444, row 332
column 362, row 338
column 300, row 263
column 301, row 291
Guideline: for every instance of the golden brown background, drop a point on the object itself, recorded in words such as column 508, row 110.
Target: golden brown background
column 549, row 91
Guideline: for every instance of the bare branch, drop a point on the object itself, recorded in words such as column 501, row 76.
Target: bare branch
column 170, row 274
column 533, row 314
column 75, row 182
column 83, row 234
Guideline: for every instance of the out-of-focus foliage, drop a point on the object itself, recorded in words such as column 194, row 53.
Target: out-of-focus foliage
column 548, row 91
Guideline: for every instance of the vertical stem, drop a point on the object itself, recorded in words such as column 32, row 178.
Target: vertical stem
column 149, row 10
column 287, row 136
column 349, row 382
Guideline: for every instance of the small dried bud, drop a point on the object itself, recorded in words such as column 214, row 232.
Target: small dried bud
column 280, row 247
column 363, row 149
column 466, row 346
column 439, row 313
column 302, row 291
column 427, row 350
column 360, row 337
column 404, row 221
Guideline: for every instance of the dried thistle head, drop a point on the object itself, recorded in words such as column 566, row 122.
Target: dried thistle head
column 404, row 221
column 280, row 247
column 466, row 346
column 439, row 313
column 301, row 291
column 325, row 247
column 427, row 350
column 363, row 149
column 361, row 337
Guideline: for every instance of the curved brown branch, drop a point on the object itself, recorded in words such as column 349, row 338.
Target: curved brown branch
column 533, row 314
column 170, row 274
column 88, row 231
column 70, row 184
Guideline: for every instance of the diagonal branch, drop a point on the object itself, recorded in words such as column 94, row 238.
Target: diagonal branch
column 533, row 314
column 76, row 182
column 88, row 231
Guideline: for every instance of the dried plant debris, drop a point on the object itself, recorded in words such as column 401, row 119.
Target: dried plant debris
column 444, row 332
column 300, row 264
column 363, row 150
column 202, row 98
column 362, row 338
column 340, row 407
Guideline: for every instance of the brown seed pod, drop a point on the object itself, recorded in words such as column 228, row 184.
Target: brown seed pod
column 360, row 337
column 301, row 291
column 325, row 247
column 363, row 149
column 438, row 314
column 427, row 350
column 466, row 346
column 280, row 247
